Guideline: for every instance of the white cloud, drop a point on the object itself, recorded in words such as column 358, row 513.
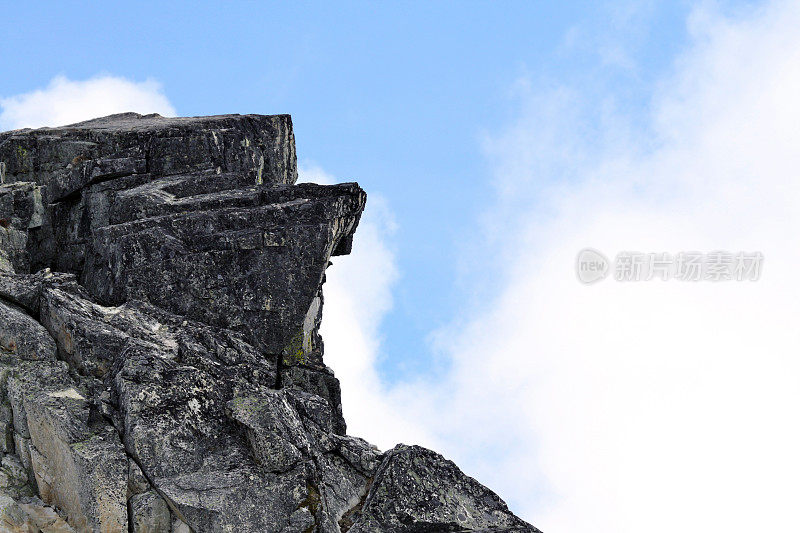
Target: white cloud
column 650, row 406
column 65, row 101
column 633, row 407
column 312, row 173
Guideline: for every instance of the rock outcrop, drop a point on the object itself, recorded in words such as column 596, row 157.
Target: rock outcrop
column 161, row 367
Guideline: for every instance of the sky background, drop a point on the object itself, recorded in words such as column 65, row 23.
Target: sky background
column 399, row 97
column 495, row 140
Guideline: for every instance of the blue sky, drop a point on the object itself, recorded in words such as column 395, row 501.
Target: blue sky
column 397, row 96
column 496, row 140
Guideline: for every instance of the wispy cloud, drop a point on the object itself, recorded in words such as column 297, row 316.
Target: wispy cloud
column 634, row 407
column 66, row 101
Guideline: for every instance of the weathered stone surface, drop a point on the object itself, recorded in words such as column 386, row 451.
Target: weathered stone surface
column 306, row 376
column 179, row 526
column 22, row 215
column 6, row 428
column 20, row 289
column 68, row 158
column 172, row 254
column 418, row 490
column 23, row 337
column 137, row 482
column 161, row 367
column 30, row 515
column 14, row 478
column 78, row 462
column 274, row 430
column 23, row 289
column 149, row 513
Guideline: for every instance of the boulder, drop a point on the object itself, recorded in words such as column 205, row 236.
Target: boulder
column 23, row 337
column 418, row 490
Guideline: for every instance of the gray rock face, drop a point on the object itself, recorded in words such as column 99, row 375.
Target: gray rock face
column 69, row 158
column 23, row 216
column 407, row 495
column 161, row 367
column 23, row 336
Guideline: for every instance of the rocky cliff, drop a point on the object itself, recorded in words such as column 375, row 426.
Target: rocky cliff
column 161, row 367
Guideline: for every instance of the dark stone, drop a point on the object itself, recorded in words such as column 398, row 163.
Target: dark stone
column 172, row 253
column 23, row 337
column 22, row 217
column 68, row 158
column 418, row 490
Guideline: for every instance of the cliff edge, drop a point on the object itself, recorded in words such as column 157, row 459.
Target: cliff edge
column 161, row 368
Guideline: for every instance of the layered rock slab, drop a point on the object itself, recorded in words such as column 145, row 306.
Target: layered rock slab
column 76, row 460
column 68, row 158
column 171, row 250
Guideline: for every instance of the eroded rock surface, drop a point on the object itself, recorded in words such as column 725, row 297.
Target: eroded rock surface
column 161, row 367
column 416, row 489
